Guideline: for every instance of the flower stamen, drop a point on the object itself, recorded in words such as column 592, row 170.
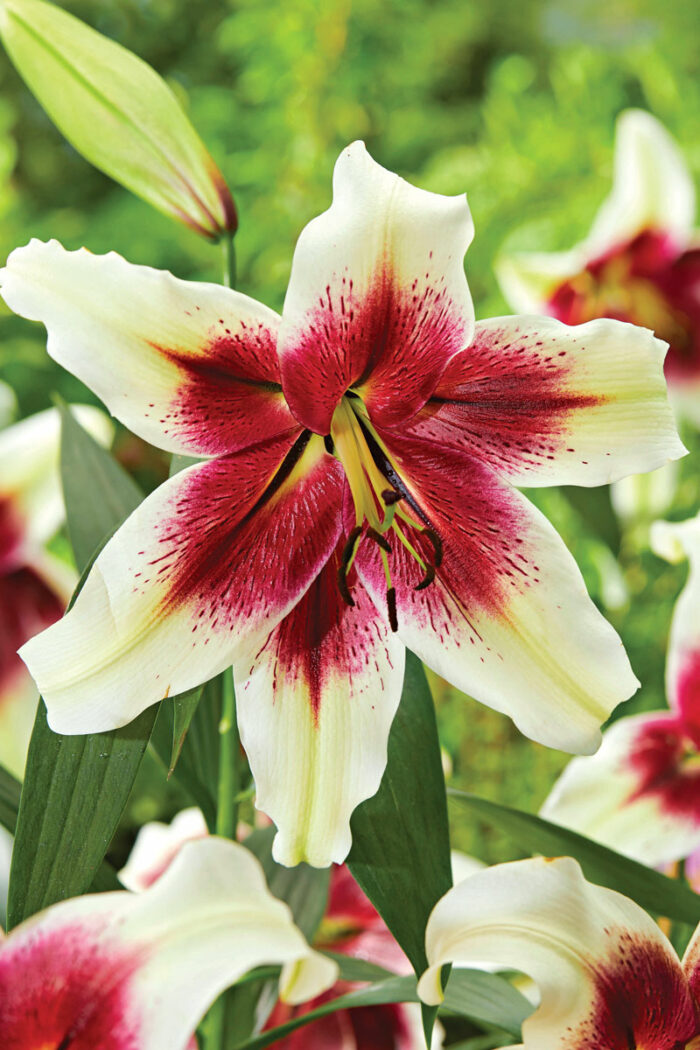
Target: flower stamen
column 380, row 499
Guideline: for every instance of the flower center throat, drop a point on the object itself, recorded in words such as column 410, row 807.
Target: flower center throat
column 381, row 502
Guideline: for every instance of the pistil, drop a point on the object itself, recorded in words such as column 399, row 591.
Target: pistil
column 380, row 508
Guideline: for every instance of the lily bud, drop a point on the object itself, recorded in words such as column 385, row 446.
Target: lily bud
column 118, row 113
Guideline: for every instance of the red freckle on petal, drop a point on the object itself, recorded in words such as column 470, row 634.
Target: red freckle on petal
column 641, row 1000
column 66, row 988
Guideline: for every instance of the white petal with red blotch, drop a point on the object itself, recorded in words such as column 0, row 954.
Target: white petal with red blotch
column 546, row 403
column 675, row 541
column 607, row 976
column 31, row 598
column 209, row 562
column 315, row 706
column 190, row 367
column 652, row 190
column 652, row 186
column 117, row 971
column 377, row 298
column 507, row 619
column 31, row 503
column 157, row 845
column 637, row 794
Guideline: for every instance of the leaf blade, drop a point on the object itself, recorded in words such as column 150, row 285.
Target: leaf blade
column 653, row 891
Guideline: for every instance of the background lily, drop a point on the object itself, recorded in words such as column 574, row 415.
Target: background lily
column 640, row 262
column 608, row 978
column 34, row 586
column 640, row 794
column 359, row 497
column 113, row 971
column 351, row 926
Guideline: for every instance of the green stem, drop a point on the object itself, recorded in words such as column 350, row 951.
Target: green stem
column 226, row 824
column 228, row 787
column 229, row 261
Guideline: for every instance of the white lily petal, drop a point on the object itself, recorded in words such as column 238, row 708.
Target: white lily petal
column 547, row 403
column 190, row 367
column 315, row 706
column 157, row 845
column 632, row 795
column 603, row 967
column 143, row 968
column 652, row 186
column 674, row 541
column 29, row 456
column 377, row 298
column 191, row 577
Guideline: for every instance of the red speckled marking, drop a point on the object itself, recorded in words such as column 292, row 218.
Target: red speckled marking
column 323, row 639
column 27, row 606
column 62, row 990
column 507, row 399
column 659, row 758
column 649, row 281
column 641, row 1001
column 229, row 396
column 686, row 690
column 486, row 556
column 392, row 342
column 232, row 551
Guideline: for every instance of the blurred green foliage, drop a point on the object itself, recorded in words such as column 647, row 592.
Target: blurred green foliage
column 513, row 101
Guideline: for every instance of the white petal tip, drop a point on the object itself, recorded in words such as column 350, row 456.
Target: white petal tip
column 307, row 977
column 430, row 986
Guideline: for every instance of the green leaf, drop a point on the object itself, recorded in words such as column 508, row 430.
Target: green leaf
column 184, row 708
column 655, row 892
column 198, row 764
column 352, row 969
column 483, row 997
column 118, row 113
column 98, row 493
column 400, row 839
column 9, row 799
column 304, row 889
column 76, row 787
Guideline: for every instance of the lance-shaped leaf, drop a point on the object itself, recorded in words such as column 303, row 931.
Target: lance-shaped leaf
column 118, row 113
column 650, row 889
column 401, row 852
column 60, row 840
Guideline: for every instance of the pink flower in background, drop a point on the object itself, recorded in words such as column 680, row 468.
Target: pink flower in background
column 608, row 978
column 359, row 497
column 123, row 971
column 640, row 262
column 34, row 586
column 640, row 794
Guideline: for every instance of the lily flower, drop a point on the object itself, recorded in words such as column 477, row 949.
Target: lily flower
column 351, row 926
column 639, row 263
column 34, row 586
column 358, row 496
column 113, row 971
column 640, row 794
column 607, row 976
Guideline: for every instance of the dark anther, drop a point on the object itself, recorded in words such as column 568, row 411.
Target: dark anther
column 328, row 442
column 437, row 546
column 343, row 587
column 349, row 549
column 427, row 579
column 391, row 496
column 391, row 606
column 380, row 540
